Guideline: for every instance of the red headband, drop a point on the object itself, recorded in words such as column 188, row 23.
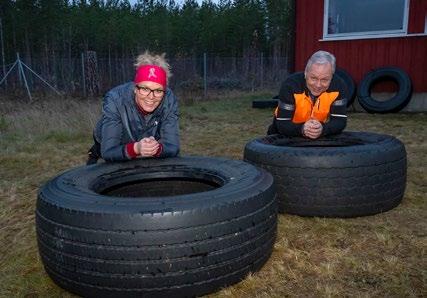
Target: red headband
column 152, row 73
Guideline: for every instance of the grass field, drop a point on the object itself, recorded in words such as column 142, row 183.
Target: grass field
column 376, row 256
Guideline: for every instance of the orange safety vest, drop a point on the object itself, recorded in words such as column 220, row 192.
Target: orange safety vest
column 305, row 109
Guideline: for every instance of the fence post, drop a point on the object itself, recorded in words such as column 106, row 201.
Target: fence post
column 109, row 67
column 21, row 73
column 205, row 83
column 83, row 75
column 2, row 53
column 262, row 70
column 91, row 74
column 18, row 60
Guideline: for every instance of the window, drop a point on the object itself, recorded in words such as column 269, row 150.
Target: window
column 363, row 18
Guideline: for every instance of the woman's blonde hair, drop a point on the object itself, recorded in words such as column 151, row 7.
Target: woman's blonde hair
column 152, row 59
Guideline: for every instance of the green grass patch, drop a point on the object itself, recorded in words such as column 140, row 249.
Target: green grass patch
column 3, row 124
column 381, row 255
column 64, row 137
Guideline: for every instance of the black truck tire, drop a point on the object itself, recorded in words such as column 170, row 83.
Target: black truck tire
column 349, row 82
column 346, row 175
column 156, row 227
column 265, row 104
column 393, row 104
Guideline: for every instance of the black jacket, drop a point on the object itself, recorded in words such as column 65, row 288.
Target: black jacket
column 296, row 84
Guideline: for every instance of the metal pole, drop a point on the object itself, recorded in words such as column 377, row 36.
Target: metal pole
column 44, row 81
column 2, row 52
column 205, row 83
column 262, row 69
column 4, row 78
column 83, row 75
column 109, row 65
column 21, row 71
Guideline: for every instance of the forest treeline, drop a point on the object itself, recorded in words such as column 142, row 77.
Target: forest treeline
column 43, row 28
column 246, row 43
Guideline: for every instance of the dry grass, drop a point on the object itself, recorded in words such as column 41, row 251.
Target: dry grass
column 376, row 256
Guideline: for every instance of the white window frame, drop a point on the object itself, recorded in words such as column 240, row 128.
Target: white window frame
column 367, row 34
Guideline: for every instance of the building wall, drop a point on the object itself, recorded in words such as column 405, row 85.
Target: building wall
column 363, row 55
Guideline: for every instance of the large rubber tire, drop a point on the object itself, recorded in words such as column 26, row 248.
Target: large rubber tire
column 395, row 103
column 265, row 104
column 156, row 227
column 347, row 175
column 349, row 82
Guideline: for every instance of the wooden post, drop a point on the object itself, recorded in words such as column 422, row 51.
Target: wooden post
column 91, row 73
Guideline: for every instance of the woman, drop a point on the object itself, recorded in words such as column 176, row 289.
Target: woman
column 139, row 118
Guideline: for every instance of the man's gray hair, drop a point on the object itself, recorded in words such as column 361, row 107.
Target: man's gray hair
column 321, row 57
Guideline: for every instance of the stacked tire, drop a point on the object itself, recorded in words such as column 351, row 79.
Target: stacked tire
column 346, row 175
column 350, row 84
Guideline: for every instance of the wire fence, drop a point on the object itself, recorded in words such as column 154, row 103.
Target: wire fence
column 80, row 76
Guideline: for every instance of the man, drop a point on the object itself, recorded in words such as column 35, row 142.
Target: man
column 312, row 104
column 139, row 118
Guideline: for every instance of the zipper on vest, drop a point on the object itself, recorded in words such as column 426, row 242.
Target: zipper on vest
column 316, row 105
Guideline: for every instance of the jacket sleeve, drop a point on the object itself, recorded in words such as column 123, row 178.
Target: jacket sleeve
column 285, row 112
column 169, row 131
column 112, row 129
column 337, row 116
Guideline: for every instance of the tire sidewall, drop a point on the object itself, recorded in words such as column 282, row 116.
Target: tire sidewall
column 395, row 103
column 309, row 156
column 362, row 179
column 350, row 84
column 73, row 192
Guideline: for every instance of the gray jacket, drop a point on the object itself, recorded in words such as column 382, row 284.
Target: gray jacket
column 122, row 123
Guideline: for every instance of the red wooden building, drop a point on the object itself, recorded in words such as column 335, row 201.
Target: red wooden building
column 364, row 35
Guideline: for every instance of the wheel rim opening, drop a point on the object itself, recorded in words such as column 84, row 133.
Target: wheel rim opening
column 318, row 143
column 383, row 89
column 157, row 185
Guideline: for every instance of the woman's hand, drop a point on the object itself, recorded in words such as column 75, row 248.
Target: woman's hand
column 147, row 147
